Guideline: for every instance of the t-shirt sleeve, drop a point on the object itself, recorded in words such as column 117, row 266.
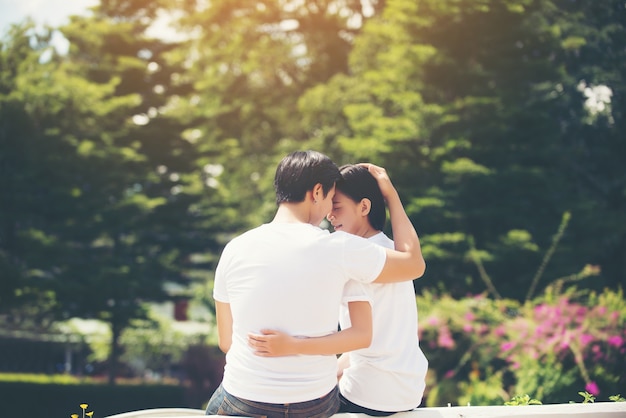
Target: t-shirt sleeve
column 220, row 292
column 363, row 260
column 355, row 291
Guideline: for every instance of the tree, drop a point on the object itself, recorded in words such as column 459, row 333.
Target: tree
column 144, row 218
column 475, row 107
column 26, row 161
column 103, row 185
column 250, row 62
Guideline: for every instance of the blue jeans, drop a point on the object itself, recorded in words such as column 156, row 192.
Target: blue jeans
column 347, row 406
column 223, row 403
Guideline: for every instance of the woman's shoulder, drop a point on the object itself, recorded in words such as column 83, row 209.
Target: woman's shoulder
column 382, row 239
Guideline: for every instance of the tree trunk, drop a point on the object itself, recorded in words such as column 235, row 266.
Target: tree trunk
column 116, row 330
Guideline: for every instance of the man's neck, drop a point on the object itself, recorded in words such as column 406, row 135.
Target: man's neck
column 292, row 213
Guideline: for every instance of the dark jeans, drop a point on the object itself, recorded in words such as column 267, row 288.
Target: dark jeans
column 223, row 403
column 347, row 406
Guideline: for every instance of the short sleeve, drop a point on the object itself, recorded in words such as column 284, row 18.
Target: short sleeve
column 220, row 290
column 362, row 260
column 355, row 291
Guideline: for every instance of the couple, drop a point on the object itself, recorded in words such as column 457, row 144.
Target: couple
column 279, row 289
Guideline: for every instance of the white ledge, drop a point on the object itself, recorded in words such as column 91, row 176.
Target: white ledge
column 572, row 410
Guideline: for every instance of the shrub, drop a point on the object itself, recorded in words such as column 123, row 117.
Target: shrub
column 486, row 351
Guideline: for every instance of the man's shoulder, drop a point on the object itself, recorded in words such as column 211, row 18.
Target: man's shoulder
column 245, row 236
column 341, row 236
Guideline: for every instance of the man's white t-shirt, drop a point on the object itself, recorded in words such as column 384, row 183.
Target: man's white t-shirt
column 290, row 277
column 390, row 374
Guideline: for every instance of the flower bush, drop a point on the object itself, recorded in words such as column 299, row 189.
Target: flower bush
column 485, row 351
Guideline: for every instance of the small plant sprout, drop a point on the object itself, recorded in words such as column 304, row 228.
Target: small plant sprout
column 83, row 406
column 588, row 397
column 617, row 398
column 519, row 400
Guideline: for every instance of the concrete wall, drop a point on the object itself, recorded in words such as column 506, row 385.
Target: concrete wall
column 574, row 410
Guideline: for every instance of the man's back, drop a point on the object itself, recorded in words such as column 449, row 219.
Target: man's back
column 290, row 277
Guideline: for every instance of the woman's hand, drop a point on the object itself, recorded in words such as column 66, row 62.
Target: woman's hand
column 384, row 182
column 272, row 343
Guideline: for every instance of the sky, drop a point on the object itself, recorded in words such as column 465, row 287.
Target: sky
column 51, row 12
column 56, row 13
column 43, row 12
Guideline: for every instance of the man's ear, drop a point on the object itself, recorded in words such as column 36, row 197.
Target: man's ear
column 365, row 205
column 317, row 193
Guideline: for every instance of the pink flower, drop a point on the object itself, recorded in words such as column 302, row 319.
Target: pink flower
column 467, row 328
column 469, row 316
column 449, row 374
column 615, row 341
column 506, row 346
column 539, row 330
column 432, row 320
column 592, row 387
column 565, row 341
column 445, row 340
column 586, row 339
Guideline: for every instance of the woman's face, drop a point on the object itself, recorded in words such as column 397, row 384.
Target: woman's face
column 346, row 214
column 323, row 205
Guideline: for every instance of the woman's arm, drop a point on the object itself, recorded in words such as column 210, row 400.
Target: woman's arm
column 224, row 318
column 406, row 261
column 273, row 343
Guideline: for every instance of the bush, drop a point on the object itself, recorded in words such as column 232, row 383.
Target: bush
column 486, row 351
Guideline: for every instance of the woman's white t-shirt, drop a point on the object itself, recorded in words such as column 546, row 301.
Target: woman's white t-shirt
column 390, row 374
column 290, row 277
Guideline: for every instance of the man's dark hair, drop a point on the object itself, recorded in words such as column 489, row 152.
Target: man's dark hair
column 300, row 171
column 357, row 183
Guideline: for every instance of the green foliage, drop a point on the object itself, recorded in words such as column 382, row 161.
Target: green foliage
column 525, row 399
column 58, row 379
column 128, row 163
column 482, row 350
column 482, row 391
column 587, row 397
column 103, row 195
column 156, row 345
column 496, row 127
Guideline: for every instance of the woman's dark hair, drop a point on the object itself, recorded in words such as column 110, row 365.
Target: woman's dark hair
column 300, row 171
column 357, row 183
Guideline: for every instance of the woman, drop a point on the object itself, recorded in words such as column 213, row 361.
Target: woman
column 388, row 376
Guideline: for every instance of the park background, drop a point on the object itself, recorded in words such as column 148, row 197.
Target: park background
column 134, row 149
